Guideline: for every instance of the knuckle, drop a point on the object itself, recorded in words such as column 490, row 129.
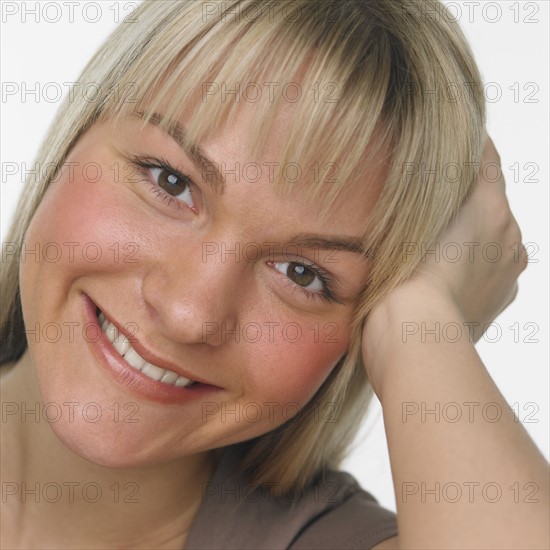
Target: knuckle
column 513, row 294
column 523, row 258
column 500, row 212
column 514, row 230
column 490, row 153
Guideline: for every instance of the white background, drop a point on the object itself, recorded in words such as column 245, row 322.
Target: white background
column 509, row 49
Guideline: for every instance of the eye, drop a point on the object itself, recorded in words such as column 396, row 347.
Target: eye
column 174, row 185
column 313, row 282
column 300, row 274
column 170, row 185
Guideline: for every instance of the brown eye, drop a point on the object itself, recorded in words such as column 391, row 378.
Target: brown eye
column 300, row 274
column 307, row 278
column 172, row 184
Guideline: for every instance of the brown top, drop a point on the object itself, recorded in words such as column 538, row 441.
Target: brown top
column 335, row 513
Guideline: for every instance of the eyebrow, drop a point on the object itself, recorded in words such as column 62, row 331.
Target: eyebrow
column 211, row 175
column 332, row 242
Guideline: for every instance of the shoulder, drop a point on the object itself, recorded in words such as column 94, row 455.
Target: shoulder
column 353, row 520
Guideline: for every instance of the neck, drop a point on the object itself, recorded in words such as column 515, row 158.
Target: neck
column 52, row 497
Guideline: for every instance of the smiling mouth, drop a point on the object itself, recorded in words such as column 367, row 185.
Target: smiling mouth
column 124, row 348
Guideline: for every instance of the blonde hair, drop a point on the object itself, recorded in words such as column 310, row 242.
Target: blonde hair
column 396, row 67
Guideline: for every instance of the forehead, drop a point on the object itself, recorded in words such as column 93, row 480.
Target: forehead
column 302, row 103
column 232, row 144
column 277, row 186
column 321, row 178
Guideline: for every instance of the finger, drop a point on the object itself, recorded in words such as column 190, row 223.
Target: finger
column 509, row 299
column 513, row 294
column 491, row 150
column 491, row 166
column 523, row 258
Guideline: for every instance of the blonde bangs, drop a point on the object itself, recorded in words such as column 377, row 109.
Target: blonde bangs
column 188, row 61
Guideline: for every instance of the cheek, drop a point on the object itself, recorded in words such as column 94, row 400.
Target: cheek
column 80, row 228
column 281, row 378
column 79, row 223
column 293, row 368
column 79, row 233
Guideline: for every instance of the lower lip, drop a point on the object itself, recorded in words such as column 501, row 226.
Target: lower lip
column 132, row 379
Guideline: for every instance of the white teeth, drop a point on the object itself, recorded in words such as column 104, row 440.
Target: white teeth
column 153, row 372
column 169, row 377
column 134, row 359
column 110, row 330
column 181, row 381
column 121, row 344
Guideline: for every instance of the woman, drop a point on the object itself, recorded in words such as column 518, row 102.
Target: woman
column 230, row 237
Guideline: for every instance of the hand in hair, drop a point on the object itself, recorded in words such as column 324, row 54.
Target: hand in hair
column 487, row 239
column 477, row 261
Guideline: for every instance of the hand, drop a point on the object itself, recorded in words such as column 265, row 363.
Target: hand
column 482, row 283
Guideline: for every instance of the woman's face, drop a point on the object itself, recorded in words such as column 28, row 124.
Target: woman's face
column 245, row 291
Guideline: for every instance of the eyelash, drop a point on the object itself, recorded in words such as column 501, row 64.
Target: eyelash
column 143, row 164
column 327, row 294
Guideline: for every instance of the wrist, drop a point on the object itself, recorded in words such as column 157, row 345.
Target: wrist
column 409, row 315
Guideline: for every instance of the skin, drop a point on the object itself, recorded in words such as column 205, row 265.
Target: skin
column 411, row 370
column 169, row 296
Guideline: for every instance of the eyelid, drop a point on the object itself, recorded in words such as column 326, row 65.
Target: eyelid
column 154, row 162
column 326, row 279
column 148, row 163
column 328, row 294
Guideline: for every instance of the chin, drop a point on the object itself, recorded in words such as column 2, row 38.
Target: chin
column 109, row 447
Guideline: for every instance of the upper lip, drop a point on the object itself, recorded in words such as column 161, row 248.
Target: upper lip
column 150, row 356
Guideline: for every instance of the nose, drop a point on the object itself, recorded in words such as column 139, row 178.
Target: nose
column 192, row 299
